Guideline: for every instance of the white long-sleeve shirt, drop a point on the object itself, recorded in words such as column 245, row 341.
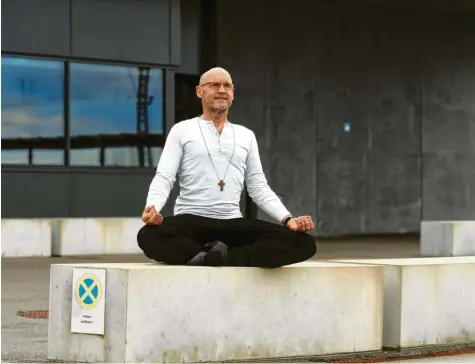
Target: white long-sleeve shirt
column 185, row 154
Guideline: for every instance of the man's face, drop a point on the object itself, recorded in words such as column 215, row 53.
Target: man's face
column 216, row 91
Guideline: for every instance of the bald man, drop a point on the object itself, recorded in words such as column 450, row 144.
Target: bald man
column 213, row 159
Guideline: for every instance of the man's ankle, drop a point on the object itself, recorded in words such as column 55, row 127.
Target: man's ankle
column 213, row 259
column 218, row 255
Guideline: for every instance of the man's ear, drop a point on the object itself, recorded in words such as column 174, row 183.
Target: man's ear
column 198, row 91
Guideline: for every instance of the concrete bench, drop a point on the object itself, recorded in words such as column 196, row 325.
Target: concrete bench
column 70, row 236
column 158, row 313
column 26, row 238
column 427, row 301
column 96, row 236
column 447, row 238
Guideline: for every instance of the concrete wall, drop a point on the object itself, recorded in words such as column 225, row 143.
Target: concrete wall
column 403, row 79
column 448, row 96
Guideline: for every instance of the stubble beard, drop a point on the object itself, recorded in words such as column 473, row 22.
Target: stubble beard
column 219, row 110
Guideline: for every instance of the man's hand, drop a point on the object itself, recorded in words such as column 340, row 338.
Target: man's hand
column 150, row 216
column 302, row 223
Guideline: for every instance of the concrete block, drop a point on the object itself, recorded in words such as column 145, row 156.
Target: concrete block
column 447, row 238
column 26, row 238
column 427, row 301
column 97, row 236
column 159, row 313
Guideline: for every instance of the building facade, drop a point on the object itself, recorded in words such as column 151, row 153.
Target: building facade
column 88, row 94
column 364, row 110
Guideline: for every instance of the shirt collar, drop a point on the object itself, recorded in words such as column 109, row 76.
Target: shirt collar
column 210, row 123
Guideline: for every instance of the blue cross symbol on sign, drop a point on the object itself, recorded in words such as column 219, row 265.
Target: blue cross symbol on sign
column 88, row 291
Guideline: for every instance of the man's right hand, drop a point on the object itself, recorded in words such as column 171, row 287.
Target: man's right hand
column 150, row 216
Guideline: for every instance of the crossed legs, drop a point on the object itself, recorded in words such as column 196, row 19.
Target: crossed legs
column 251, row 242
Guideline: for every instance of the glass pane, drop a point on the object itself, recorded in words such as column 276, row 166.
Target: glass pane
column 85, row 157
column 32, row 110
column 47, row 157
column 128, row 156
column 117, row 108
column 14, row 156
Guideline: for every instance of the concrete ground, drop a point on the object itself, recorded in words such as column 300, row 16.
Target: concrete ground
column 25, row 286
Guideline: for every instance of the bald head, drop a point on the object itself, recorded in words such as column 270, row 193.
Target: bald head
column 213, row 74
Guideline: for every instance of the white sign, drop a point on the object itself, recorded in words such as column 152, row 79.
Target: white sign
column 88, row 301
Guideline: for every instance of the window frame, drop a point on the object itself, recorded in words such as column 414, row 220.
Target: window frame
column 67, row 113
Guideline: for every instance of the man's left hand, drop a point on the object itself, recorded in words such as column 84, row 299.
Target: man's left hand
column 302, row 223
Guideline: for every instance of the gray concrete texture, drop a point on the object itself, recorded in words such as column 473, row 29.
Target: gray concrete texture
column 403, row 78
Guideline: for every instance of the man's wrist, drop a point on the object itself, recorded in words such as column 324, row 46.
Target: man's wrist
column 287, row 218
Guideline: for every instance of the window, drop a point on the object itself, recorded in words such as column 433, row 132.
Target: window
column 32, row 111
column 116, row 115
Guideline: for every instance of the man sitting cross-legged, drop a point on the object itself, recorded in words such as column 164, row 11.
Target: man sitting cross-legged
column 213, row 158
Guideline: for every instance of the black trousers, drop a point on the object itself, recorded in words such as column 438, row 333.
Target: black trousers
column 251, row 242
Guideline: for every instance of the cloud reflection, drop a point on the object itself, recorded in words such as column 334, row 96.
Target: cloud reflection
column 102, row 101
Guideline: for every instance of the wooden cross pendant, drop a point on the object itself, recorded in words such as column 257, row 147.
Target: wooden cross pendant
column 221, row 184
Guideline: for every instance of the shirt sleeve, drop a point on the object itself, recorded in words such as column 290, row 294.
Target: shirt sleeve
column 258, row 188
column 166, row 172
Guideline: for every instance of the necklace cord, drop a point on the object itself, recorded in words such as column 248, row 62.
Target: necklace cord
column 209, row 154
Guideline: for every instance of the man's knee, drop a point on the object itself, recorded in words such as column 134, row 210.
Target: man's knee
column 146, row 236
column 308, row 245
